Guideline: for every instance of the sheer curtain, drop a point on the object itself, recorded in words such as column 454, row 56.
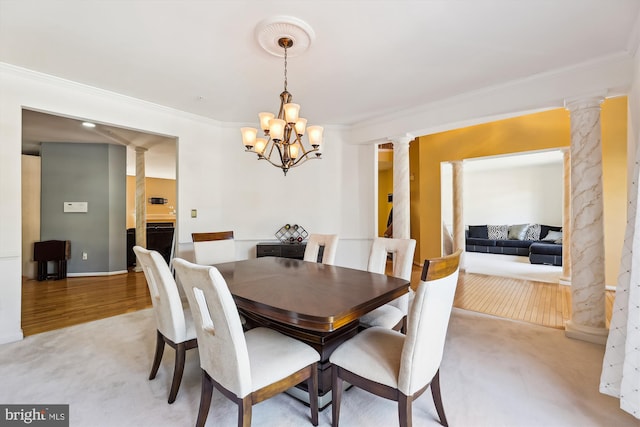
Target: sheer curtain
column 621, row 366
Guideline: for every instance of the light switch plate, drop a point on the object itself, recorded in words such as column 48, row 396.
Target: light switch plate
column 194, row 213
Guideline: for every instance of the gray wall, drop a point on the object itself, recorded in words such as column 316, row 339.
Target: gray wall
column 92, row 173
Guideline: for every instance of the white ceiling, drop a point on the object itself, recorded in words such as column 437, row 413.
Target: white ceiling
column 368, row 58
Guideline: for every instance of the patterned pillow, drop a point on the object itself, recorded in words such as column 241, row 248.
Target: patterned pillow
column 498, row 232
column 533, row 232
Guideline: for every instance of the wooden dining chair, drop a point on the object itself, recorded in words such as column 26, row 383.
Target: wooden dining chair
column 394, row 314
column 401, row 367
column 174, row 324
column 329, row 243
column 247, row 367
column 214, row 248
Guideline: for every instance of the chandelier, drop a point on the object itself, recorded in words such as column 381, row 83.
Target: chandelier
column 282, row 144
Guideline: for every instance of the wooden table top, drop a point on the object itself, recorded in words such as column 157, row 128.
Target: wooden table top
column 308, row 295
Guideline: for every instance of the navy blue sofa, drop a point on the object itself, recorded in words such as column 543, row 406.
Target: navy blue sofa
column 538, row 251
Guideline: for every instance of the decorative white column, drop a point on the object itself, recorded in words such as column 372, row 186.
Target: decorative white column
column 401, row 188
column 588, row 320
column 141, row 201
column 566, row 219
column 458, row 209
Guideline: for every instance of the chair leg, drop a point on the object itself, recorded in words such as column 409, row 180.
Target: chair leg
column 177, row 371
column 336, row 391
column 158, row 356
column 244, row 411
column 437, row 398
column 312, row 386
column 205, row 399
column 404, row 410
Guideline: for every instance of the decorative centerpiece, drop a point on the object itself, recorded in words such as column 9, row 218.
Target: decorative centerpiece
column 291, row 233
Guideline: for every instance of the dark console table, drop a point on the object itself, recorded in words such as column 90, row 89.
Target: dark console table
column 52, row 250
column 282, row 250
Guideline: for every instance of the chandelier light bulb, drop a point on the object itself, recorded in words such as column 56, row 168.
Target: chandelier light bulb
column 301, row 125
column 291, row 111
column 261, row 144
column 249, row 137
column 276, row 129
column 315, row 135
column 264, row 120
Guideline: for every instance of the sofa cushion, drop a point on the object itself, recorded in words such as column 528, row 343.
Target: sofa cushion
column 533, row 232
column 518, row 231
column 513, row 243
column 478, row 231
column 544, row 230
column 497, row 232
column 545, row 248
column 480, row 242
column 552, row 236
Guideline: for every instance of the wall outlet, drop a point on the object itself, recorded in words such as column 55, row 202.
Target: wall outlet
column 84, row 256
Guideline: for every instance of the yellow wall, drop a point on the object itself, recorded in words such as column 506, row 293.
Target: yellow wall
column 614, row 181
column 539, row 131
column 155, row 187
column 385, row 187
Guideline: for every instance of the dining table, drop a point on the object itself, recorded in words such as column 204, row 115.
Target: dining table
column 315, row 303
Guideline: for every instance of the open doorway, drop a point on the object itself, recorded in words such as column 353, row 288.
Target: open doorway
column 69, row 134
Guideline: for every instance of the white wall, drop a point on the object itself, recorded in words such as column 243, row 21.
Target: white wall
column 507, row 195
column 229, row 188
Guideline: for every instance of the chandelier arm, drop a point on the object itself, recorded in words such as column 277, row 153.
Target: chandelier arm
column 303, row 159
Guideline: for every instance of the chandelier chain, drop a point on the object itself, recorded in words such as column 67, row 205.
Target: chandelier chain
column 285, row 68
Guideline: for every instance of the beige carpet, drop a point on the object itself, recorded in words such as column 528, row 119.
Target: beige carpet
column 495, row 373
column 516, row 267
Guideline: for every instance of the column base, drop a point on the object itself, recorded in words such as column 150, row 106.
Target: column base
column 586, row 333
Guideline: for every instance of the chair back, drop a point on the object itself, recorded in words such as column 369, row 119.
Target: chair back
column 214, row 248
column 165, row 298
column 330, row 244
column 402, row 251
column 427, row 323
column 221, row 342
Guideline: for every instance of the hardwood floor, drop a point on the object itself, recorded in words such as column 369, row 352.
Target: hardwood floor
column 56, row 304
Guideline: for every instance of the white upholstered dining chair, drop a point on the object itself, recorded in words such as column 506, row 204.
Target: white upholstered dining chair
column 247, row 367
column 329, row 243
column 214, row 248
column 174, row 324
column 392, row 315
column 397, row 366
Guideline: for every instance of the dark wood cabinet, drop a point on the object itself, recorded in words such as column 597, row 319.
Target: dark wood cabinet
column 279, row 249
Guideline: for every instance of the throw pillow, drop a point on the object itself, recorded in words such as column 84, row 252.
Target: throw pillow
column 552, row 236
column 497, row 232
column 518, row 232
column 478, row 231
column 533, row 232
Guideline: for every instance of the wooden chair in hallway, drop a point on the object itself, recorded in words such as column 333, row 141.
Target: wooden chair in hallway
column 174, row 323
column 401, row 367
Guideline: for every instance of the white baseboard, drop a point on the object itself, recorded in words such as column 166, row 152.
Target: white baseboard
column 97, row 273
